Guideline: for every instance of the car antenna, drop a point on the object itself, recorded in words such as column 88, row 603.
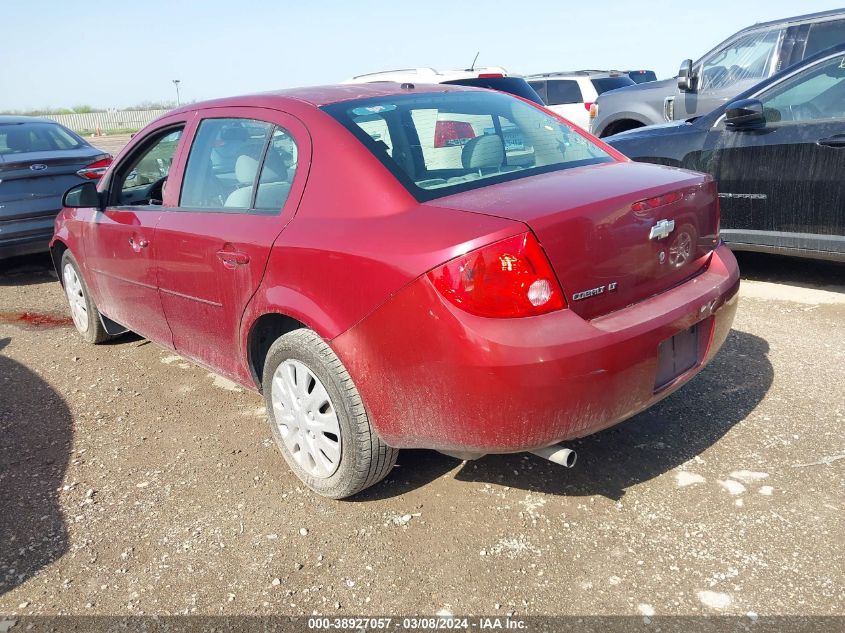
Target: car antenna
column 475, row 59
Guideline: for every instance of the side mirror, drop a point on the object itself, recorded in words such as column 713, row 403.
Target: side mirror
column 745, row 114
column 82, row 196
column 686, row 78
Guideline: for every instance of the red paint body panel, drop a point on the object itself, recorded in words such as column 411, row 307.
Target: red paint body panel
column 347, row 257
column 433, row 376
column 584, row 221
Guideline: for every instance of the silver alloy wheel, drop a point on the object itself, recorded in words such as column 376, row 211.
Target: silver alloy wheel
column 306, row 419
column 680, row 251
column 76, row 298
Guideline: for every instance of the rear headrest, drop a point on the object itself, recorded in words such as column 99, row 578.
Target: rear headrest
column 234, row 134
column 246, row 167
column 483, row 152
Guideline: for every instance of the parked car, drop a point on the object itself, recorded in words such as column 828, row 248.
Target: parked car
column 490, row 77
column 778, row 154
column 641, row 76
column 570, row 94
column 39, row 160
column 380, row 302
column 733, row 66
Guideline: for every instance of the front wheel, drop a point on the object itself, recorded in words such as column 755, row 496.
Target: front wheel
column 85, row 315
column 318, row 419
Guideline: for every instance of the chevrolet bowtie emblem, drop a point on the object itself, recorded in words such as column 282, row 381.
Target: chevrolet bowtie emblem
column 661, row 229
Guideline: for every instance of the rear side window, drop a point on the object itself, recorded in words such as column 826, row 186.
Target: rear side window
column 824, row 35
column 513, row 85
column 604, row 84
column 239, row 166
column 21, row 138
column 563, row 91
column 540, row 89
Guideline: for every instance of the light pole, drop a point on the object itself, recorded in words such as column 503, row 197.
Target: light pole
column 176, row 83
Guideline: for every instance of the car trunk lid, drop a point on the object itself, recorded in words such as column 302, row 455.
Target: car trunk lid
column 615, row 233
column 32, row 183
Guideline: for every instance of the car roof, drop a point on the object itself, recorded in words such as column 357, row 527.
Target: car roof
column 15, row 118
column 427, row 75
column 577, row 73
column 324, row 95
column 807, row 17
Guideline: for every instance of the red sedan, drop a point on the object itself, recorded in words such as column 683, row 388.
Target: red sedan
column 403, row 267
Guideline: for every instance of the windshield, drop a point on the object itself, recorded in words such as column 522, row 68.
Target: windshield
column 21, row 138
column 437, row 144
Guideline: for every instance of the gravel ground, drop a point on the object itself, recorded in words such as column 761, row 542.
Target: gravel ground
column 132, row 481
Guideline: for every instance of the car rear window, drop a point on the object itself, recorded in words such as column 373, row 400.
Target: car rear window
column 444, row 143
column 21, row 138
column 642, row 76
column 513, row 85
column 604, row 84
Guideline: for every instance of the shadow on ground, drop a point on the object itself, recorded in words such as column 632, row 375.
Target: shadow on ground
column 648, row 445
column 28, row 270
column 37, row 432
column 795, row 271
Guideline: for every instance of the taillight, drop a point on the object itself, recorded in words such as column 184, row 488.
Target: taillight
column 594, row 110
column 588, row 106
column 509, row 278
column 95, row 169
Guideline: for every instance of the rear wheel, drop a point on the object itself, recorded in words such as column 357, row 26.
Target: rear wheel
column 318, row 419
column 85, row 315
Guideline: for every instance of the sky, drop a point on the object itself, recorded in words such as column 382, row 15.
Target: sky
column 57, row 53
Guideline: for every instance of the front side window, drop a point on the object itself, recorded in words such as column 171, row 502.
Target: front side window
column 239, row 165
column 21, row 138
column 142, row 180
column 815, row 94
column 747, row 58
column 563, row 92
column 444, row 143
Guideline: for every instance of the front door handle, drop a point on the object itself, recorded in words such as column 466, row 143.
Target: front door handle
column 231, row 259
column 138, row 244
column 837, row 141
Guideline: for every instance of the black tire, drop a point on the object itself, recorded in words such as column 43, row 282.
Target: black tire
column 93, row 332
column 364, row 459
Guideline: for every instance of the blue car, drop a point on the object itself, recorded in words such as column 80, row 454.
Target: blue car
column 39, row 161
column 777, row 152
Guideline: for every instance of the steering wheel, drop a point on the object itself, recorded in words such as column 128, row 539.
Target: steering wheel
column 155, row 194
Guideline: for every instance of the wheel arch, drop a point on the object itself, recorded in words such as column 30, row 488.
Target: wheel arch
column 262, row 332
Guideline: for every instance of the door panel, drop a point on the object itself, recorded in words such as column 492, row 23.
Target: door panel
column 783, row 182
column 120, row 240
column 211, row 252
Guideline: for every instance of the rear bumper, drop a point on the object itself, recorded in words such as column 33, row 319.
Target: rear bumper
column 26, row 236
column 433, row 376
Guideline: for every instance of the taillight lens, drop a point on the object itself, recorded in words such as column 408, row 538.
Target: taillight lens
column 509, row 278
column 95, row 169
column 594, row 110
column 588, row 106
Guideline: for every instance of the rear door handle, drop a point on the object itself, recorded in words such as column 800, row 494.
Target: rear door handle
column 837, row 141
column 231, row 259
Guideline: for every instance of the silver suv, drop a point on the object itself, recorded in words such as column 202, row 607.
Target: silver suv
column 744, row 59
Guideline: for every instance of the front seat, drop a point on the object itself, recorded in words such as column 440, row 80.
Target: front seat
column 484, row 153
